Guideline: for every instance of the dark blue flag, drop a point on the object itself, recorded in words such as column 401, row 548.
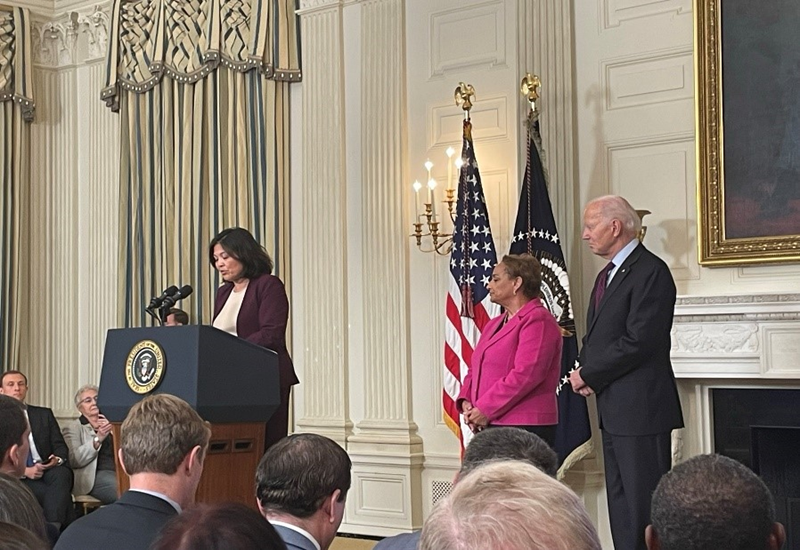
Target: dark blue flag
column 535, row 233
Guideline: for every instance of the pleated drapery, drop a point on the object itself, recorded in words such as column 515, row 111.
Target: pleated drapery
column 16, row 113
column 202, row 90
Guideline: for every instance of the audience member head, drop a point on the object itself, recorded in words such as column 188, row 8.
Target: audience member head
column 303, row 479
column 218, row 527
column 86, row 400
column 19, row 507
column 14, row 537
column 709, row 502
column 14, row 432
column 510, row 505
column 239, row 244
column 163, row 436
column 176, row 317
column 14, row 384
column 505, row 443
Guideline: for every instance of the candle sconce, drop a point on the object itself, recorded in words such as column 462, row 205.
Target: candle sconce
column 427, row 224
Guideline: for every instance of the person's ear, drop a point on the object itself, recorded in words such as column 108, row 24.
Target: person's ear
column 777, row 536
column 330, row 505
column 194, row 459
column 651, row 538
column 122, row 462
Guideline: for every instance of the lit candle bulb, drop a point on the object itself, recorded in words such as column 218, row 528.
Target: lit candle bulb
column 450, row 152
column 432, row 197
column 417, row 186
column 459, row 163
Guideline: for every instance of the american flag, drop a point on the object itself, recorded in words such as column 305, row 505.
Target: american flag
column 471, row 263
column 535, row 233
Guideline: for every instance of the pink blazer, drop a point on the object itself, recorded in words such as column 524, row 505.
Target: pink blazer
column 515, row 370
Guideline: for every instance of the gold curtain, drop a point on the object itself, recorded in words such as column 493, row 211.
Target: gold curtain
column 16, row 113
column 202, row 90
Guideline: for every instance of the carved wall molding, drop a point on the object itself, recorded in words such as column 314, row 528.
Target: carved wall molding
column 715, row 338
column 743, row 299
column 71, row 38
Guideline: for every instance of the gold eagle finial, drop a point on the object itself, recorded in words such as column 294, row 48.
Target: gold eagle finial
column 530, row 87
column 464, row 95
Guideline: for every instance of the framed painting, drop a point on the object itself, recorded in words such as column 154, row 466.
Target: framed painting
column 747, row 106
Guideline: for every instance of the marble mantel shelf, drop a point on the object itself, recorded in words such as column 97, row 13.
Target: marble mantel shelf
column 752, row 336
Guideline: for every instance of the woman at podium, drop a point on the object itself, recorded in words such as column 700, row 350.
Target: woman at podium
column 252, row 304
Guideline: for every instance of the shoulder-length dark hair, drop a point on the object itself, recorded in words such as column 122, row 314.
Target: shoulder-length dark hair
column 241, row 245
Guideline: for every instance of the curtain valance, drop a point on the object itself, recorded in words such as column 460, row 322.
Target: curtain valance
column 188, row 39
column 15, row 60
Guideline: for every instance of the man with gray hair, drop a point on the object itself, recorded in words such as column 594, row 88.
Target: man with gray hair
column 510, row 505
column 625, row 361
column 500, row 443
column 162, row 449
column 711, row 502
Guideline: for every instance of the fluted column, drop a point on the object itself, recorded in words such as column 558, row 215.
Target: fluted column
column 72, row 245
column 545, row 48
column 386, row 433
column 324, row 318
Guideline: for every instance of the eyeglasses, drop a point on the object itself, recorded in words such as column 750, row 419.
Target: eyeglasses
column 90, row 399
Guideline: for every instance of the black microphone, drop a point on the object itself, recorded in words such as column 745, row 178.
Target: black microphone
column 179, row 294
column 157, row 301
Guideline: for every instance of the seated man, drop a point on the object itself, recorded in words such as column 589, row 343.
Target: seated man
column 711, row 502
column 301, row 487
column 14, row 432
column 503, row 443
column 47, row 472
column 91, row 449
column 163, row 443
column 176, row 318
column 510, row 505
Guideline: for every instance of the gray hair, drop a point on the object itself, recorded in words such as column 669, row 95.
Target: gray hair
column 83, row 389
column 614, row 207
column 510, row 505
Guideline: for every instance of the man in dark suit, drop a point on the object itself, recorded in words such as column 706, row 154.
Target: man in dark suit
column 301, row 488
column 625, row 361
column 163, row 443
column 47, row 472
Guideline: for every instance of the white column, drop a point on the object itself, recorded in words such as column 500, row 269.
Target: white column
column 545, row 48
column 72, row 246
column 323, row 274
column 386, row 450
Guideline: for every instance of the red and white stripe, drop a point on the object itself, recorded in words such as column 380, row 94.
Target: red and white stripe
column 461, row 337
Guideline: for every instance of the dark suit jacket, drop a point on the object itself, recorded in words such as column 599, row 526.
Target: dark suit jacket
column 625, row 354
column 46, row 433
column 293, row 539
column 131, row 523
column 262, row 319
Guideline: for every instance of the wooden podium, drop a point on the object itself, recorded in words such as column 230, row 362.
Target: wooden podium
column 231, row 383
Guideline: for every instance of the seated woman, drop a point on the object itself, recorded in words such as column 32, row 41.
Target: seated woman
column 91, row 449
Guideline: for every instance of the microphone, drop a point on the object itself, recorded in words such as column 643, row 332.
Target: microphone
column 157, row 301
column 178, row 294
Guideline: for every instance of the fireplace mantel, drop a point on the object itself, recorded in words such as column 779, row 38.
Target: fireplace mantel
column 733, row 337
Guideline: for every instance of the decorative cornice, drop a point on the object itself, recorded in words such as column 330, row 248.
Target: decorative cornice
column 310, row 6
column 55, row 41
column 744, row 299
column 715, row 338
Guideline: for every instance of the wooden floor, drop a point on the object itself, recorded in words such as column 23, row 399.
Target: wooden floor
column 342, row 543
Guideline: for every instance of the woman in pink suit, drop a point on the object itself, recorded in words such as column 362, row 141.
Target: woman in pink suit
column 252, row 304
column 515, row 366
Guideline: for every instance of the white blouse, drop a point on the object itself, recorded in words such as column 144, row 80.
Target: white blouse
column 226, row 320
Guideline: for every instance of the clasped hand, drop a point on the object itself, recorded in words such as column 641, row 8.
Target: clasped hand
column 474, row 418
column 578, row 385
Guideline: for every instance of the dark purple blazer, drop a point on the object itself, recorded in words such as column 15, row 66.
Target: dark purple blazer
column 262, row 319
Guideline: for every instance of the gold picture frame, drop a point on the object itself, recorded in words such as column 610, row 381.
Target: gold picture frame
column 717, row 244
